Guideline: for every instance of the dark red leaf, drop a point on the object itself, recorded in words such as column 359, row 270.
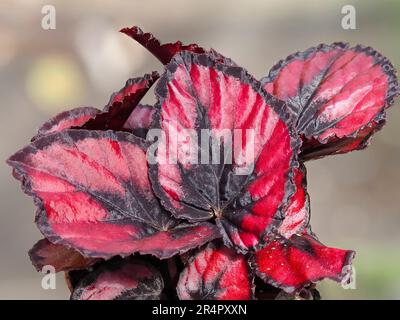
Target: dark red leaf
column 128, row 279
column 339, row 95
column 297, row 210
column 216, row 273
column 295, row 263
column 165, row 52
column 197, row 93
column 122, row 103
column 120, row 112
column 67, row 119
column 45, row 253
column 93, row 194
column 73, row 277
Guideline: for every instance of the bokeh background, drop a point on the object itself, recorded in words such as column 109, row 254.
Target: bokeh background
column 355, row 197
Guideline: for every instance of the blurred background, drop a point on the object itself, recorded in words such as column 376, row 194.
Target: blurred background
column 354, row 197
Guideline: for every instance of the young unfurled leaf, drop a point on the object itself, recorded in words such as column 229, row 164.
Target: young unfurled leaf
column 245, row 189
column 292, row 264
column 140, row 120
column 339, row 95
column 128, row 279
column 216, row 273
column 93, row 194
column 60, row 257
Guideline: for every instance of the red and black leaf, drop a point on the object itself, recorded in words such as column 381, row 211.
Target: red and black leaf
column 297, row 210
column 216, row 273
column 128, row 279
column 291, row 264
column 164, row 52
column 45, row 253
column 93, row 194
column 339, row 95
column 121, row 104
column 313, row 149
column 67, row 119
column 245, row 194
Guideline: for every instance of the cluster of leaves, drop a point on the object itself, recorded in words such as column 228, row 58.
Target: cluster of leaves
column 124, row 228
